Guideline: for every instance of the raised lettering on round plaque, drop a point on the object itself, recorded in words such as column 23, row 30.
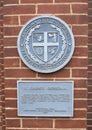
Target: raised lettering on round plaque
column 46, row 44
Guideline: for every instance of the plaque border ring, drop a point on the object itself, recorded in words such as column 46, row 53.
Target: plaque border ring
column 46, row 44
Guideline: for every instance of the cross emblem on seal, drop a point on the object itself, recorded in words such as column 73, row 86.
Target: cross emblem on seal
column 44, row 41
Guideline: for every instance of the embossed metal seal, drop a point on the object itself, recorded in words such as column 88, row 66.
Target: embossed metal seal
column 46, row 44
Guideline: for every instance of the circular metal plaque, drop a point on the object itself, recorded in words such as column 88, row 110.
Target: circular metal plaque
column 46, row 44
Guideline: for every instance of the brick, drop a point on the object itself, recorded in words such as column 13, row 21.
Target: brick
column 89, row 68
column 2, row 97
column 1, row 3
column 10, row 83
column 11, row 113
column 1, row 55
column 82, row 73
column 80, row 113
column 1, row 28
column 89, row 88
column 89, row 82
column 11, row 52
column 11, row 20
column 80, row 104
column 81, row 41
column 1, row 10
column 53, row 9
column 74, row 19
column 71, row 1
column 77, row 62
column 17, row 73
column 1, row 16
column 89, row 127
column 90, row 102
column 80, row 30
column 36, row 1
column 1, row 62
column 12, row 41
column 80, row 51
column 10, row 2
column 3, row 127
column 80, row 94
column 89, row 109
column 1, row 23
column 89, row 1
column 11, row 31
column 90, row 47
column 90, row 33
column 90, row 74
column 90, row 95
column 79, row 8
column 13, row 123
column 89, row 54
column 89, row 122
column 1, row 41
column 80, row 83
column 90, row 6
column 89, row 40
column 25, row 19
column 20, row 9
column 11, row 62
column 89, row 115
column 1, row 35
column 89, row 20
column 70, row 124
column 11, row 103
column 90, row 11
column 11, row 93
column 1, row 48
column 35, row 123
column 61, row 73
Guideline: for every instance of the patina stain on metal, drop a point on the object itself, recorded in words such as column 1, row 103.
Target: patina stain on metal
column 46, row 44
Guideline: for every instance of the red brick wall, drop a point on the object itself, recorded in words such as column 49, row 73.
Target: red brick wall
column 16, row 14
column 90, row 67
column 2, row 105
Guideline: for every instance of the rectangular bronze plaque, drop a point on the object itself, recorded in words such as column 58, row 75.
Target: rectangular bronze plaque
column 45, row 98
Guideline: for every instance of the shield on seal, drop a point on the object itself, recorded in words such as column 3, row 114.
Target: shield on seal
column 45, row 44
